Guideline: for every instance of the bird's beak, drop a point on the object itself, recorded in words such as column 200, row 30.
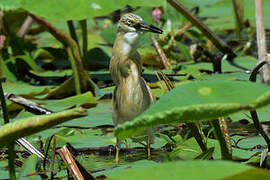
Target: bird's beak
column 143, row 26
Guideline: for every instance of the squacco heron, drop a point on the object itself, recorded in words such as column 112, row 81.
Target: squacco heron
column 131, row 95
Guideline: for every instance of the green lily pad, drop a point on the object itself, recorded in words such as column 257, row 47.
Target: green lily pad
column 249, row 142
column 59, row 105
column 98, row 116
column 201, row 100
column 30, row 166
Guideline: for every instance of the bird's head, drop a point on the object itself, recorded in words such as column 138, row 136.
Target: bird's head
column 133, row 23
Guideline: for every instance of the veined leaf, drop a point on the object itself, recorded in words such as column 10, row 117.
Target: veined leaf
column 201, row 100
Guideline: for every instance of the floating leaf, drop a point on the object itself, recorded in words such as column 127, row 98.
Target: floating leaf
column 242, row 63
column 59, row 105
column 120, row 169
column 249, row 142
column 24, row 89
column 201, row 100
column 98, row 116
column 30, row 166
column 80, row 141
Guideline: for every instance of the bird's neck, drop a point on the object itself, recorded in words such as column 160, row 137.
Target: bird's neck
column 126, row 43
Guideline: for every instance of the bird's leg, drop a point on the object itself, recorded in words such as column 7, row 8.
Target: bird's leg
column 149, row 147
column 118, row 146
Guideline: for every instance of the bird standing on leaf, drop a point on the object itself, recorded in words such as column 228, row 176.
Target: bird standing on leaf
column 131, row 95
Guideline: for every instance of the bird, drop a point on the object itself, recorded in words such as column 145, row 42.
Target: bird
column 131, row 95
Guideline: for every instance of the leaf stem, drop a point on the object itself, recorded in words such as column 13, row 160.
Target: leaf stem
column 238, row 8
column 259, row 128
column 11, row 159
column 225, row 150
column 163, row 58
column 11, row 156
column 254, row 115
column 83, row 25
column 255, row 70
column 75, row 71
column 72, row 31
column 198, row 134
column 225, row 132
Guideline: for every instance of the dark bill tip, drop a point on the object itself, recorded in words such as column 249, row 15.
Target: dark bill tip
column 148, row 27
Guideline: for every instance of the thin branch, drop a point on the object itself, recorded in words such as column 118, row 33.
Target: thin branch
column 25, row 27
column 168, row 82
column 77, row 170
column 255, row 70
column 254, row 115
column 261, row 41
column 259, row 128
column 39, row 173
column 27, row 104
column 220, row 44
column 238, row 8
column 161, row 82
column 162, row 55
column 29, row 148
column 70, row 162
column 183, row 29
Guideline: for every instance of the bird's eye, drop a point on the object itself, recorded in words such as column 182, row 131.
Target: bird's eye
column 129, row 22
